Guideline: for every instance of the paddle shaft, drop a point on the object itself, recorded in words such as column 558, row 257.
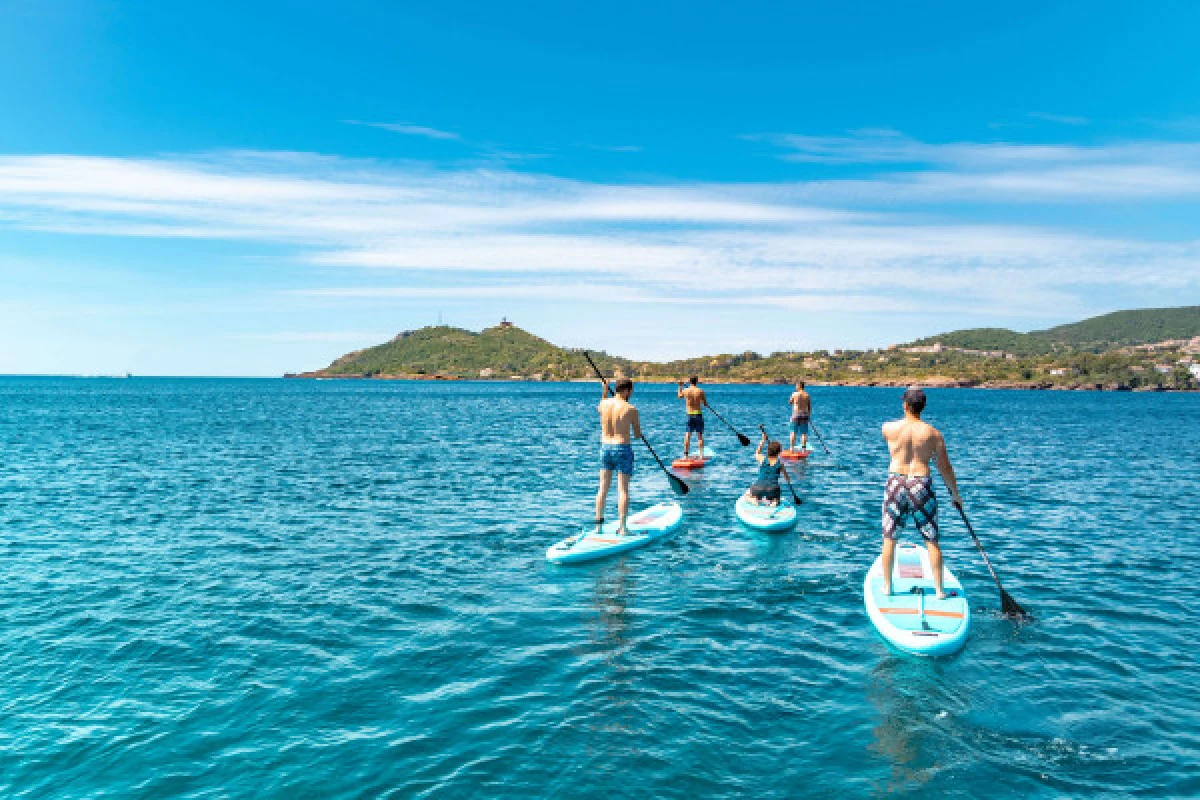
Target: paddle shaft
column 1008, row 605
column 820, row 438
column 676, row 484
column 745, row 440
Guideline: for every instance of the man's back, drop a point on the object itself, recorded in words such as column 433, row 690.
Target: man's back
column 617, row 418
column 694, row 397
column 801, row 402
column 912, row 443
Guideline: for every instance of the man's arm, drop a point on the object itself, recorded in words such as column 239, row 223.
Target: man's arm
column 637, row 423
column 679, row 391
column 703, row 398
column 943, row 464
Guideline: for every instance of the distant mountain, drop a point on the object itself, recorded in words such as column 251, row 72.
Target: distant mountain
column 501, row 351
column 1092, row 354
column 1123, row 328
column 1097, row 334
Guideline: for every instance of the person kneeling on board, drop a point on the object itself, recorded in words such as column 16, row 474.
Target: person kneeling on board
column 765, row 489
column 694, row 400
column 618, row 417
column 909, row 488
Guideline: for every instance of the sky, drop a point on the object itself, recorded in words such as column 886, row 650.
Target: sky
column 252, row 188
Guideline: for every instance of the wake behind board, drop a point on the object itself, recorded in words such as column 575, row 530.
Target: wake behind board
column 773, row 519
column 645, row 526
column 912, row 619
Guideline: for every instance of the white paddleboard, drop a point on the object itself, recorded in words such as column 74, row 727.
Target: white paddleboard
column 774, row 519
column 644, row 527
column 912, row 618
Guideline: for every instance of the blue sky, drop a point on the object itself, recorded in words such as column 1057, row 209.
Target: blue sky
column 252, row 188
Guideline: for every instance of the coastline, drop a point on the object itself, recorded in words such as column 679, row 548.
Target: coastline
column 928, row 382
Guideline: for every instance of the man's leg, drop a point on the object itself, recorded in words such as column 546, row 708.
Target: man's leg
column 889, row 558
column 935, row 561
column 803, row 441
column 792, row 441
column 700, row 441
column 687, row 443
column 623, row 500
column 602, row 495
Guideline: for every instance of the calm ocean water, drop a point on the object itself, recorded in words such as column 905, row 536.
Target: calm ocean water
column 267, row 588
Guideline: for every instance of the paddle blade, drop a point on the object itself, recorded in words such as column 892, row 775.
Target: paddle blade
column 1012, row 608
column 744, row 439
column 679, row 486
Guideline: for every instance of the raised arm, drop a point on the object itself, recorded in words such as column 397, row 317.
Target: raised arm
column 943, row 465
column 679, row 390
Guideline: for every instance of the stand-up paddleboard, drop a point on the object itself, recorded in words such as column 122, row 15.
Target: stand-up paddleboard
column 644, row 527
column 796, row 455
column 912, row 618
column 774, row 519
column 694, row 462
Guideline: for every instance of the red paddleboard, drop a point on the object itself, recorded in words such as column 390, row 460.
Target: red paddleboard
column 794, row 455
column 695, row 462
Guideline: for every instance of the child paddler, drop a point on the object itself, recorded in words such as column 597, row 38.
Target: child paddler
column 909, row 489
column 694, row 400
column 765, row 489
column 618, row 419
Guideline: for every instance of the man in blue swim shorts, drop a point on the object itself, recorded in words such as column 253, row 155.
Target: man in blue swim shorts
column 909, row 488
column 618, row 421
column 801, row 404
column 694, row 399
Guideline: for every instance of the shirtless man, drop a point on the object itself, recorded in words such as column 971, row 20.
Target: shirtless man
column 909, row 489
column 693, row 396
column 801, row 405
column 617, row 419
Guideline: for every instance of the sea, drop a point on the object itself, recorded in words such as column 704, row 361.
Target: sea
column 220, row 588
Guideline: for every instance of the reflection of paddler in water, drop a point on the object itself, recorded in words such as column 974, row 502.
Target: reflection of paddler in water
column 909, row 489
column 905, row 692
column 610, row 641
column 694, row 399
column 618, row 417
column 801, row 404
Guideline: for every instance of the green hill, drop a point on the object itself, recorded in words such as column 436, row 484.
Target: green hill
column 1085, row 355
column 505, row 349
column 1118, row 329
column 1122, row 328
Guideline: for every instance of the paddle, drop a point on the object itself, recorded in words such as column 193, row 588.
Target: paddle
column 676, row 484
column 795, row 497
column 745, row 440
column 820, row 438
column 1010, row 607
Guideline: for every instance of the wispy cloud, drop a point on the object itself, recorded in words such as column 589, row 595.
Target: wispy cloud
column 505, row 233
column 1061, row 119
column 408, row 129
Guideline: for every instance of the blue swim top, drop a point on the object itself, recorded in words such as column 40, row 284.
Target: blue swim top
column 768, row 473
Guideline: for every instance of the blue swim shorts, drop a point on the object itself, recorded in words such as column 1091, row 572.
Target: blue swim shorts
column 617, row 458
column 800, row 425
column 695, row 423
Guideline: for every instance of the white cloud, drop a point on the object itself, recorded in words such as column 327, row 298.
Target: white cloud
column 551, row 238
column 1062, row 119
column 409, row 130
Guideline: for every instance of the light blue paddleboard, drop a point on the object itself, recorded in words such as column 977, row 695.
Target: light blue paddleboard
column 708, row 452
column 912, row 618
column 644, row 527
column 774, row 519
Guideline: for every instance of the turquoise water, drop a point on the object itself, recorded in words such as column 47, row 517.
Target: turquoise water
column 243, row 588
